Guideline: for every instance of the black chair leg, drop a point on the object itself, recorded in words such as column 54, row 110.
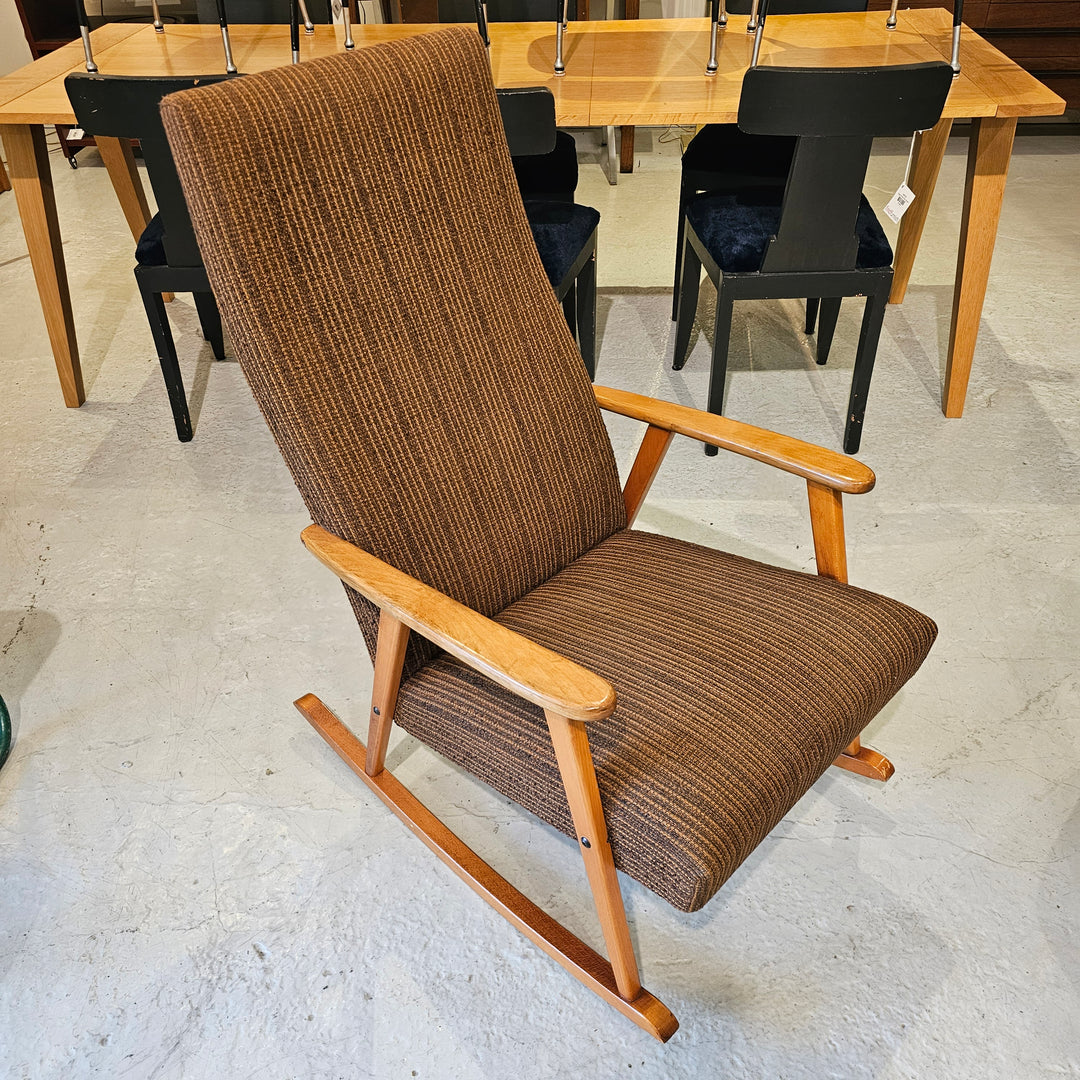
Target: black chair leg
column 718, row 374
column 685, row 195
column 210, row 321
column 873, row 317
column 811, row 314
column 830, row 312
column 569, row 307
column 586, row 315
column 689, row 284
column 170, row 366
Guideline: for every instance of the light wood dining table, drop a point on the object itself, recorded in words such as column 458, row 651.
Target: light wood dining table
column 635, row 72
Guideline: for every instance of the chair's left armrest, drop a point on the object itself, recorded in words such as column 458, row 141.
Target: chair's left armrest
column 814, row 463
column 535, row 673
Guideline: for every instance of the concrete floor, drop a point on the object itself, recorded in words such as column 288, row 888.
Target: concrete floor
column 193, row 885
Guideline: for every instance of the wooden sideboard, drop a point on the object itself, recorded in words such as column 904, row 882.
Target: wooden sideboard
column 1042, row 36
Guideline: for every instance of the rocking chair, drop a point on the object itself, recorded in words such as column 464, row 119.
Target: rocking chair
column 426, row 394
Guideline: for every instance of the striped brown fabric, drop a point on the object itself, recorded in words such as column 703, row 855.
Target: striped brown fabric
column 366, row 241
column 738, row 684
column 364, row 236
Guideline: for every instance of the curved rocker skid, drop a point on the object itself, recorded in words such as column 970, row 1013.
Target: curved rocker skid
column 583, row 962
column 865, row 761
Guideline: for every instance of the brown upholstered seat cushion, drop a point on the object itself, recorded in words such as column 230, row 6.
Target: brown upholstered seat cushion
column 738, row 684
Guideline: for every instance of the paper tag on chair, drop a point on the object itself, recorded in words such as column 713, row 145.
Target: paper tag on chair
column 899, row 203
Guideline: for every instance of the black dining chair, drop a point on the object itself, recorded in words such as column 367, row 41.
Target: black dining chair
column 721, row 157
column 817, row 236
column 564, row 231
column 167, row 255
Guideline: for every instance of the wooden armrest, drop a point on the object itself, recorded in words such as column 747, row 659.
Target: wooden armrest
column 825, row 467
column 529, row 670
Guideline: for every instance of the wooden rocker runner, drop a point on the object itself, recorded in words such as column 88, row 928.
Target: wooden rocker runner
column 663, row 703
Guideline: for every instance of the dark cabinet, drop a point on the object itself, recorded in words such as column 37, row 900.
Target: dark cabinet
column 1042, row 36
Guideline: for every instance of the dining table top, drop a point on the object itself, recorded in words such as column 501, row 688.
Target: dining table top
column 640, row 71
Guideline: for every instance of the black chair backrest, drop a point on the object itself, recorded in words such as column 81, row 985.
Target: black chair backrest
column 835, row 112
column 261, row 11
column 528, row 116
column 464, row 11
column 797, row 7
column 126, row 107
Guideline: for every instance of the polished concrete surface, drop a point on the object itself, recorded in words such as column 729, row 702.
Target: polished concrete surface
column 193, row 885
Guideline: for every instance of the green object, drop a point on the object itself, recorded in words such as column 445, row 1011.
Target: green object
column 5, row 733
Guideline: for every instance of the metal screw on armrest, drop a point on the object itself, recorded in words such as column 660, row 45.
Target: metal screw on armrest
column 585, row 842
column 376, row 711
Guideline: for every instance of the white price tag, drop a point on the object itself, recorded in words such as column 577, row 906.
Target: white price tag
column 76, row 133
column 899, row 203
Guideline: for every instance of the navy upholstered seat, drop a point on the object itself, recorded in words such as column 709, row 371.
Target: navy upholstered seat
column 561, row 231
column 735, row 229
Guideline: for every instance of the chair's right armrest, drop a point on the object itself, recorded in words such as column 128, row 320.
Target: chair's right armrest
column 814, row 463
column 506, row 657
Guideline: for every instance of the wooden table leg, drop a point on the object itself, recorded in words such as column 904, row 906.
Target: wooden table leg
column 988, row 164
column 925, row 165
column 31, row 177
column 5, row 183
column 626, row 134
column 120, row 161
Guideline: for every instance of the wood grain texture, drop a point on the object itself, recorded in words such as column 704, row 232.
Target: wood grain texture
column 650, row 457
column 31, row 179
column 925, row 166
column 827, row 523
column 824, row 467
column 514, row 662
column 579, row 778
column 120, row 162
column 989, row 151
column 583, row 962
column 389, row 660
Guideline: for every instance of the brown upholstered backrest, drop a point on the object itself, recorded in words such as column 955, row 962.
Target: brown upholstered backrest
column 367, row 245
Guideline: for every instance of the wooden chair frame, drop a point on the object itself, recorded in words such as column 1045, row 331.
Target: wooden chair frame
column 570, row 695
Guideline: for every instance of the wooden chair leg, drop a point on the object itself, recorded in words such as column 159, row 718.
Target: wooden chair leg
column 865, row 761
column 650, row 457
column 572, row 752
column 389, row 660
column 584, row 963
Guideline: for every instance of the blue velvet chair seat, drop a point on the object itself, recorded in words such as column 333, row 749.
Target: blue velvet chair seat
column 561, row 230
column 735, row 230
column 150, row 250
